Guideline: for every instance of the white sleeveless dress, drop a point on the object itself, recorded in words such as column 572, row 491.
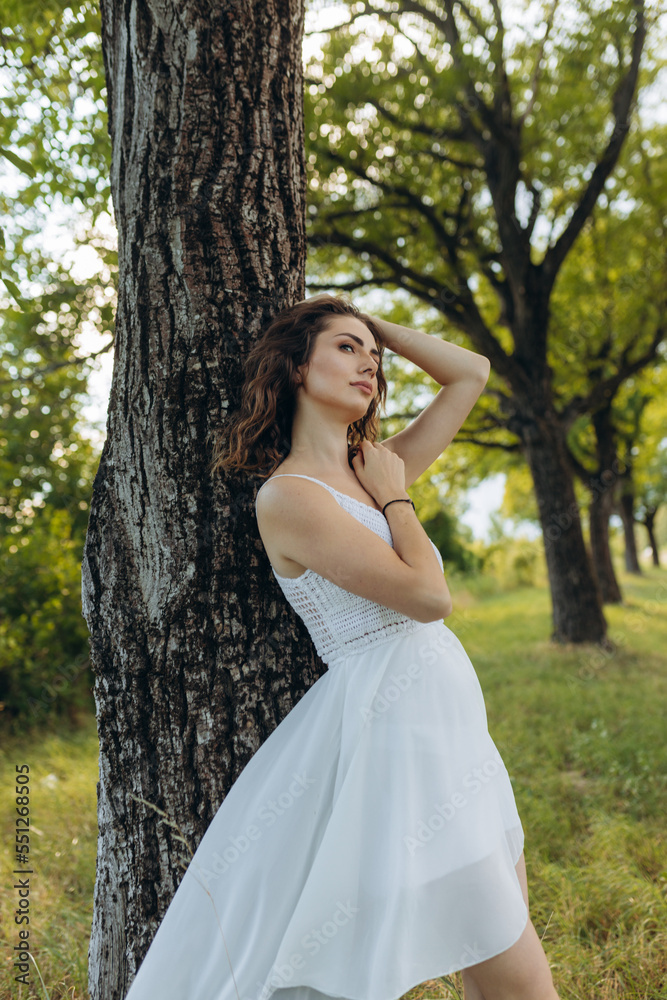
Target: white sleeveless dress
column 370, row 843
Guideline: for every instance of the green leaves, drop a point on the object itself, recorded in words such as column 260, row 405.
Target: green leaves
column 23, row 165
column 447, row 151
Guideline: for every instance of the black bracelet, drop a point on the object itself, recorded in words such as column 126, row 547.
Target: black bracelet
column 400, row 500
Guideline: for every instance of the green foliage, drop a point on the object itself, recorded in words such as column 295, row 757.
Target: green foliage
column 646, row 444
column 46, row 470
column 448, row 536
column 399, row 192
column 44, row 458
column 54, row 144
column 54, row 159
column 54, row 119
column 503, row 564
column 44, row 663
column 390, row 163
column 516, row 562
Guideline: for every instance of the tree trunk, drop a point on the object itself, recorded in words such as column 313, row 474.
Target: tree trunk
column 197, row 657
column 626, row 509
column 599, row 512
column 576, row 601
column 602, row 501
column 648, row 522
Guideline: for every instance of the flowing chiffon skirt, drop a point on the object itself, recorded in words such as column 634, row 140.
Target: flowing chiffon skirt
column 370, row 843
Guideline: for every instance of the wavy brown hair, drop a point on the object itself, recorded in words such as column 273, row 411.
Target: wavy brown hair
column 258, row 436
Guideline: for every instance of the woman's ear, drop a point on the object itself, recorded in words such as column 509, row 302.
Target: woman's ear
column 298, row 375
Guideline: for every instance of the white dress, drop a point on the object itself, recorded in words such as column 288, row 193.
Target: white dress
column 370, row 843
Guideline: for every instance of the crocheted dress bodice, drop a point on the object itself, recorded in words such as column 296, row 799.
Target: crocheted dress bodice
column 338, row 621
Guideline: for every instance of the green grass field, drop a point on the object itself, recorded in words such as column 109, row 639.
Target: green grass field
column 583, row 735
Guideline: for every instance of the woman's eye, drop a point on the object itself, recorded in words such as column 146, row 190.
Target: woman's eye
column 348, row 345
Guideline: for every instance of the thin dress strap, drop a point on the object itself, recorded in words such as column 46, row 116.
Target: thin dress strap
column 332, row 489
column 297, row 475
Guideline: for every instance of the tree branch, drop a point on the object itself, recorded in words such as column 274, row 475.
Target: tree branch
column 487, row 444
column 621, row 104
column 502, row 98
column 605, row 389
column 399, row 416
column 442, row 236
column 474, row 21
column 447, row 27
column 345, row 24
column 351, row 286
column 534, row 210
column 577, row 467
column 537, row 71
column 39, row 372
column 457, row 135
column 458, row 307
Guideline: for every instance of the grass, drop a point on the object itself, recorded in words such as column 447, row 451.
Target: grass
column 582, row 732
column 63, row 844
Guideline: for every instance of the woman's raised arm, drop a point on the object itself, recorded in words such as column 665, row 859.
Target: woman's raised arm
column 462, row 375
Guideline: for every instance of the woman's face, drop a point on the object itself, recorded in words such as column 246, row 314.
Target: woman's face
column 344, row 353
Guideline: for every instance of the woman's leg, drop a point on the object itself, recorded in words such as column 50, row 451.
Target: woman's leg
column 520, row 973
column 470, row 990
column 523, row 878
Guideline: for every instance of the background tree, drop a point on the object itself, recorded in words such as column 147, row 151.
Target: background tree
column 645, row 445
column 628, row 436
column 53, row 161
column 617, row 309
column 599, row 480
column 636, row 477
column 196, row 660
column 652, row 497
column 460, row 161
column 607, row 348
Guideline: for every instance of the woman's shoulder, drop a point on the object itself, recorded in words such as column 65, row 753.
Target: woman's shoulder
column 288, row 477
column 286, row 471
column 276, row 508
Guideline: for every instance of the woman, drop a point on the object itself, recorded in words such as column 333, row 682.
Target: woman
column 372, row 842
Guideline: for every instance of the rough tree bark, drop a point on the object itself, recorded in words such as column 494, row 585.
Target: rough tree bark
column 601, row 484
column 599, row 512
column 196, row 657
column 568, row 565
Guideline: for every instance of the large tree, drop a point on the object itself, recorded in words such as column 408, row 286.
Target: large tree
column 196, row 659
column 460, row 160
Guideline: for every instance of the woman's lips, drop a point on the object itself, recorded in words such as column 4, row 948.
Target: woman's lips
column 366, row 388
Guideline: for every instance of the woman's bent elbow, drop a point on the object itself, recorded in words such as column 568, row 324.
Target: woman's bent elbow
column 444, row 608
column 436, row 608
